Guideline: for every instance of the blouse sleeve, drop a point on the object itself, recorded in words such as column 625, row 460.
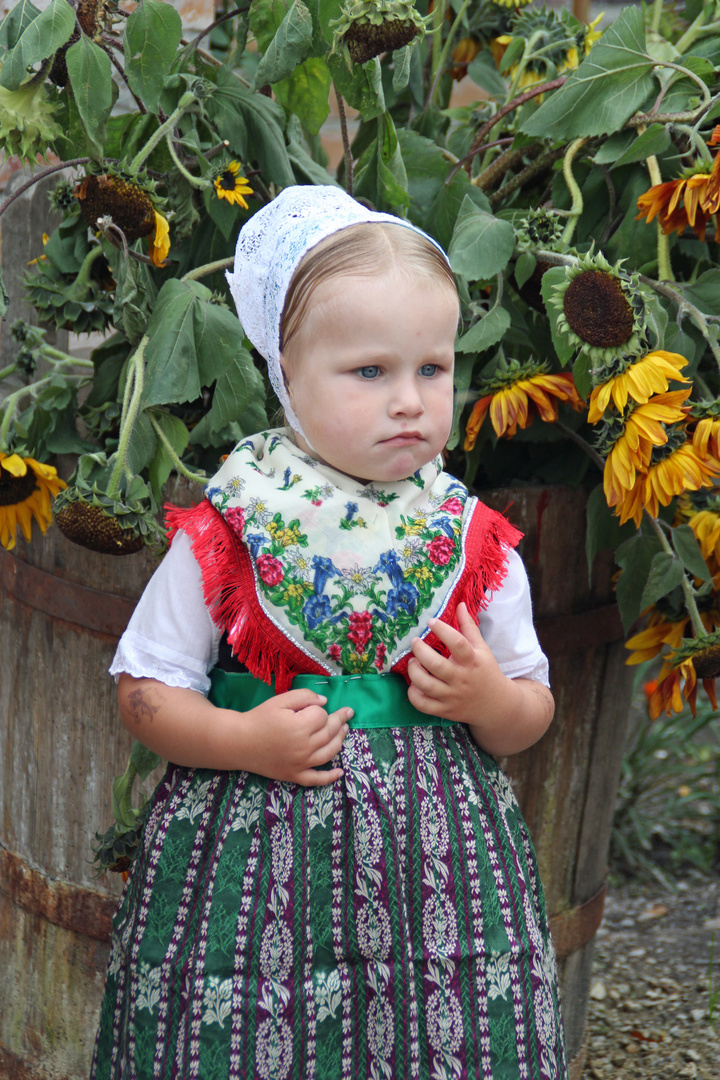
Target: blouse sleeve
column 507, row 627
column 170, row 636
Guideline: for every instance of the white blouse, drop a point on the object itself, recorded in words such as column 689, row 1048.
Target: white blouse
column 171, row 637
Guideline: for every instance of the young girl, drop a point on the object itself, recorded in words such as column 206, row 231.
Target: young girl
column 335, row 880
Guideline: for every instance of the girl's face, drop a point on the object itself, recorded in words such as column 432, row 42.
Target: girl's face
column 370, row 373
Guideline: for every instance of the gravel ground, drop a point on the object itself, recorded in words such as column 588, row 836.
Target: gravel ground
column 651, row 1010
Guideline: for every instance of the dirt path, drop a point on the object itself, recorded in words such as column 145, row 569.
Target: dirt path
column 650, row 995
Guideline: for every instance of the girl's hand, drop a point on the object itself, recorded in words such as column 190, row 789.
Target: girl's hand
column 288, row 735
column 504, row 715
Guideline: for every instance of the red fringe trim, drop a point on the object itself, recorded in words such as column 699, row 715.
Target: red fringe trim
column 231, row 597
column 230, row 593
column 489, row 535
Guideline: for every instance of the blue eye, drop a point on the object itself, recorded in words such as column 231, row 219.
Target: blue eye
column 370, row 371
column 428, row 370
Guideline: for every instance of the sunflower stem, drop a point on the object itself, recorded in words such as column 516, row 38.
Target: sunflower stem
column 79, row 288
column 663, row 241
column 687, row 589
column 707, row 96
column 9, row 370
column 138, row 370
column 197, row 478
column 574, row 188
column 657, row 12
column 445, row 53
column 685, row 308
column 347, row 151
column 194, row 181
column 438, row 19
column 186, row 102
column 208, row 268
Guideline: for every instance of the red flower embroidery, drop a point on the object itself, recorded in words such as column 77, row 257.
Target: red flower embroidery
column 379, row 656
column 334, row 651
column 270, row 569
column 440, row 549
column 236, row 519
column 452, row 506
column 360, row 628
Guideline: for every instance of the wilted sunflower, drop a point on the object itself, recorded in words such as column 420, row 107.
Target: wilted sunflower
column 160, row 240
column 557, row 39
column 693, row 659
column 126, row 202
column 601, row 309
column 463, row 54
column 672, row 470
column 515, row 394
column 628, row 442
column 706, row 434
column 367, row 28
column 27, row 488
column 229, row 185
column 637, row 379
column 691, row 200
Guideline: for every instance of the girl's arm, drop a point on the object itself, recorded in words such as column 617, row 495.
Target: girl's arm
column 284, row 738
column 504, row 715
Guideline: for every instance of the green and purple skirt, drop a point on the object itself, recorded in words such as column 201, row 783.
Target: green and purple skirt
column 387, row 927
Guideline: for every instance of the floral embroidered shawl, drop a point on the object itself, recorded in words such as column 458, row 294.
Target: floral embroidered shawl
column 308, row 570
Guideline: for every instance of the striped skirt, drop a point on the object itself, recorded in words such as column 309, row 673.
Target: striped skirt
column 388, row 926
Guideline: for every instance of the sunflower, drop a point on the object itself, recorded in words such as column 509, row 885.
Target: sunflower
column 691, row 200
column 160, row 240
column 515, row 394
column 659, row 632
column 228, row 185
column 637, row 379
column 27, row 488
column 463, row 54
column 630, row 440
column 601, row 309
column 706, row 436
column 672, row 470
column 692, row 659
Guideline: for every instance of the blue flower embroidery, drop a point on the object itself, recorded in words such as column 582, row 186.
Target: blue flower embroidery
column 316, row 610
column 324, row 569
column 389, row 565
column 405, row 596
column 352, row 509
column 254, row 541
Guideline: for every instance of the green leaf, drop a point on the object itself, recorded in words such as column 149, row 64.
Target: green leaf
column 486, row 331
column 289, row 47
column 653, row 141
column 306, row 168
column 688, row 551
column 306, row 92
column 512, row 54
column 162, row 464
column 152, row 35
column 92, row 84
column 613, row 147
column 612, row 82
column 143, row 759
column 524, row 268
column 361, row 88
column 635, row 557
column 402, row 59
column 555, row 276
column 172, row 372
column 380, row 175
column 446, row 207
column 15, row 24
column 461, row 381
column 604, row 531
column 705, row 292
column 582, row 375
column 236, row 108
column 427, row 172
column 218, row 340
column 481, row 244
column 265, row 18
column 142, row 445
column 238, row 397
column 41, row 37
column 484, row 73
column 666, row 573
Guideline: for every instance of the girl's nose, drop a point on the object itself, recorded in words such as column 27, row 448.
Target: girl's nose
column 406, row 399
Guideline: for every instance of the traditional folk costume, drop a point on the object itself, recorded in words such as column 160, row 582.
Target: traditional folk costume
column 392, row 924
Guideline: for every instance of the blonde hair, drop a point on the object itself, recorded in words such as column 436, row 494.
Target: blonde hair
column 361, row 250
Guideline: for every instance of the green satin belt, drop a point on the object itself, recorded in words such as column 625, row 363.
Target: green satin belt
column 378, row 701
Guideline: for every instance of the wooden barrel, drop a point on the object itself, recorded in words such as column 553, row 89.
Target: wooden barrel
column 61, row 611
column 566, row 784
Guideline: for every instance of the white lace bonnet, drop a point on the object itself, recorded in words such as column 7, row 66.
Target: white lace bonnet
column 270, row 247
